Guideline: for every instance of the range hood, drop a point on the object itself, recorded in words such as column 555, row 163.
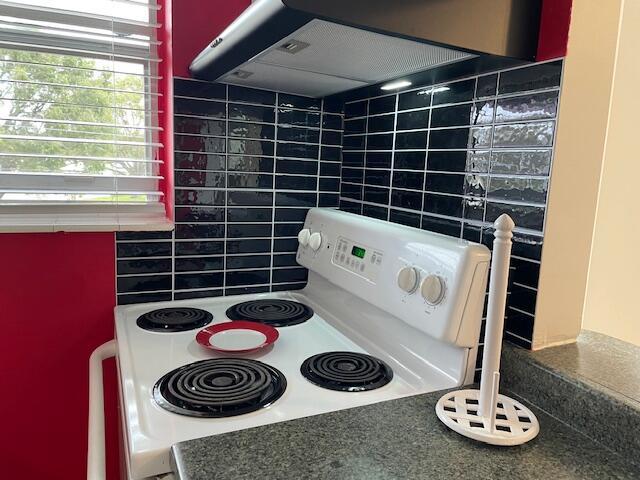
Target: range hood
column 319, row 48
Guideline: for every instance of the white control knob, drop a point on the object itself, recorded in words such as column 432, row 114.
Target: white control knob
column 408, row 279
column 303, row 237
column 432, row 289
column 315, row 240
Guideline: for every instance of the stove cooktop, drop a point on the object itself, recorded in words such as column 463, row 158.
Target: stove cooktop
column 271, row 311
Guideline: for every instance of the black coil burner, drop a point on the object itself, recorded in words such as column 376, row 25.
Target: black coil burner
column 220, row 387
column 277, row 313
column 174, row 319
column 346, row 371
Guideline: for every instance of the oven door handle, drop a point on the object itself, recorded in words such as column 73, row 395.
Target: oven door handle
column 96, row 455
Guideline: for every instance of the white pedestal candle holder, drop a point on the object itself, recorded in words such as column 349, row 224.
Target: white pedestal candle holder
column 484, row 414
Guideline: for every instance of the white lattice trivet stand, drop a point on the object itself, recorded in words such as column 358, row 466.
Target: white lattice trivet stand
column 484, row 414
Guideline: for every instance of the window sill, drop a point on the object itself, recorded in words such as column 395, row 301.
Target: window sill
column 105, row 222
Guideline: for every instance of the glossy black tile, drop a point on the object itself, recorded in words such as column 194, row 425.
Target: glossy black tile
column 382, row 105
column 294, row 101
column 254, row 277
column 413, row 120
column 374, row 195
column 486, row 85
column 282, row 275
column 298, row 118
column 355, row 142
column 375, row 211
column 297, row 150
column 524, row 162
column 406, row 199
column 455, row 92
column 483, row 112
column 199, row 230
column 143, row 265
column 248, row 198
column 443, row 204
column 409, row 160
column 447, row 161
column 353, row 159
column 411, row 140
column 287, row 229
column 378, row 159
column 328, row 199
column 244, row 163
column 475, row 185
column 303, row 167
column 285, row 260
column 352, row 175
column 285, row 244
column 200, row 179
column 249, row 214
column 408, row 180
column 199, row 161
column 441, row 225
column 199, row 248
column 143, row 235
column 296, row 199
column 198, row 89
column 333, row 105
column 357, row 126
column 199, row 264
column 192, row 143
column 329, row 169
column 351, row 207
column 355, row 109
column 197, row 294
column 248, row 261
column 251, row 113
column 404, row 218
column 144, row 298
column 535, row 77
column 380, row 142
column 249, row 230
column 200, row 126
column 298, row 134
column 247, row 290
column 529, row 190
column 249, row 181
column 450, row 138
column 329, row 184
column 248, row 246
column 382, row 123
column 333, row 122
column 330, row 154
column 535, row 134
column 349, row 190
column 291, row 182
column 524, row 216
column 250, row 147
column 184, row 281
column 540, row 106
column 444, row 183
column 291, row 214
column 453, row 116
column 252, row 130
column 143, row 283
column 203, row 108
column 377, row 177
column 199, row 197
column 415, row 99
column 251, row 95
column 329, row 137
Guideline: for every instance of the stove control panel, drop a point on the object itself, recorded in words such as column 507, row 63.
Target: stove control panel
column 358, row 258
column 432, row 282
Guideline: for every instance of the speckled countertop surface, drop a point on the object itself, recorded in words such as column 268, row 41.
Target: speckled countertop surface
column 398, row 439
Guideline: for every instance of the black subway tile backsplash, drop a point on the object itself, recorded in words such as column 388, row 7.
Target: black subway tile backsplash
column 464, row 152
column 243, row 188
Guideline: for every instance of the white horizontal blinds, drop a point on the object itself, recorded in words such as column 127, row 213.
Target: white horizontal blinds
column 78, row 106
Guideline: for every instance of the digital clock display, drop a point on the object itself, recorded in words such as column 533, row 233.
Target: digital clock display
column 358, row 252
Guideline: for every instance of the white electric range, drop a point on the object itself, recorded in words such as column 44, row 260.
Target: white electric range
column 410, row 299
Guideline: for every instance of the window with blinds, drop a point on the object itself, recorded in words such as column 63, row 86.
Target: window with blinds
column 79, row 130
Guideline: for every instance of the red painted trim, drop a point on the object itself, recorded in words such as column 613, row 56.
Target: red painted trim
column 554, row 29
column 165, row 104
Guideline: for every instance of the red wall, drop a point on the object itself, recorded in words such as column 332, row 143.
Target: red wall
column 57, row 295
column 554, row 29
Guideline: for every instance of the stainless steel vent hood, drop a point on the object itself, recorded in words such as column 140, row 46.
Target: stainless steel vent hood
column 322, row 47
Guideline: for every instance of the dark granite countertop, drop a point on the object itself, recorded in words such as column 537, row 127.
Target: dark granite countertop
column 397, row 439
